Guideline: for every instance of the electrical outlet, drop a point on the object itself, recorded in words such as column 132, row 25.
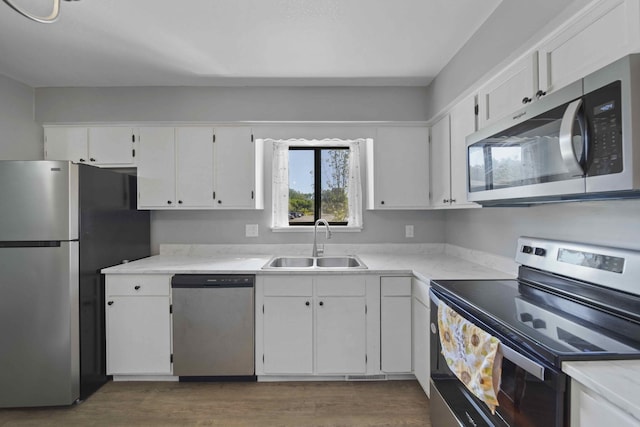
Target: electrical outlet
column 251, row 230
column 408, row 231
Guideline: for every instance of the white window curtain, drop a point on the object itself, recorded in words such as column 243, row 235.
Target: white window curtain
column 280, row 174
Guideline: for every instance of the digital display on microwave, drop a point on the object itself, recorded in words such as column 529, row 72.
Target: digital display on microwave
column 604, row 108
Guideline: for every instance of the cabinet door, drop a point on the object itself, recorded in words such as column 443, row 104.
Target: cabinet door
column 509, row 91
column 400, row 169
column 421, row 367
column 602, row 33
column 194, row 166
column 463, row 124
column 440, row 160
column 234, row 168
column 156, row 168
column 138, row 335
column 288, row 335
column 111, row 145
column 341, row 335
column 589, row 409
column 395, row 324
column 66, row 143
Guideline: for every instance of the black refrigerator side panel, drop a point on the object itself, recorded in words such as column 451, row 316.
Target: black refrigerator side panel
column 111, row 230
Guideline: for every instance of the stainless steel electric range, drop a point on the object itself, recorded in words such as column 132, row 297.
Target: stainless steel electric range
column 570, row 302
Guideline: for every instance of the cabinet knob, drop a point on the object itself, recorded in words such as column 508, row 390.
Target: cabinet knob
column 526, row 100
column 306, row 303
column 136, row 287
column 321, row 303
column 179, row 202
column 445, row 200
column 82, row 160
column 92, row 159
column 453, row 200
column 169, row 202
column 540, row 94
column 110, row 303
column 382, row 202
column 219, row 202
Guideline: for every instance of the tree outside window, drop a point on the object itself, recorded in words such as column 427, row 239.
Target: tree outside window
column 318, row 185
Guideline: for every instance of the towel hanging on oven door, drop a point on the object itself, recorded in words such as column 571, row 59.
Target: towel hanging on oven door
column 472, row 354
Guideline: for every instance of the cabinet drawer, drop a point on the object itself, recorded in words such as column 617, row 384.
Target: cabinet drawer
column 292, row 286
column 341, row 286
column 395, row 286
column 139, row 284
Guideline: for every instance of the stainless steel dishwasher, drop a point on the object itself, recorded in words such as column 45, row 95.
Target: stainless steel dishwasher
column 213, row 326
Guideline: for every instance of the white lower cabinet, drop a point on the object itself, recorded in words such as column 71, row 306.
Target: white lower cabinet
column 138, row 324
column 421, row 333
column 589, row 409
column 395, row 324
column 314, row 325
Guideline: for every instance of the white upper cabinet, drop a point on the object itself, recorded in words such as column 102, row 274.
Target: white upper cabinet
column 156, row 168
column 440, row 163
column 598, row 35
column 111, row 145
column 463, row 123
column 510, row 90
column 198, row 167
column 235, row 171
column 449, row 158
column 194, row 166
column 105, row 146
column 398, row 168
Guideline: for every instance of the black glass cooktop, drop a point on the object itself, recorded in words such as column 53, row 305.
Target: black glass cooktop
column 542, row 321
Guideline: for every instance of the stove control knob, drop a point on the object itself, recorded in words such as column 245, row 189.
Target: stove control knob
column 539, row 252
column 527, row 249
column 539, row 324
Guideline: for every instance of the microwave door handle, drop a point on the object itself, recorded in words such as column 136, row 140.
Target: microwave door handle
column 567, row 151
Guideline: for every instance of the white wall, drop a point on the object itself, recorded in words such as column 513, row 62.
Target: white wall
column 609, row 223
column 20, row 136
column 57, row 105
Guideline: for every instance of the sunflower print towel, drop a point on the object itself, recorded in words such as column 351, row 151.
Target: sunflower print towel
column 472, row 354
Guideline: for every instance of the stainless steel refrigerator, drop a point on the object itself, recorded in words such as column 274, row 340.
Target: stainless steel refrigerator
column 60, row 223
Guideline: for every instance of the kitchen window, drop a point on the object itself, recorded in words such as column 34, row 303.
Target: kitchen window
column 315, row 179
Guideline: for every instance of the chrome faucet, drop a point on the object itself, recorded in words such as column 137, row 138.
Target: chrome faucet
column 318, row 252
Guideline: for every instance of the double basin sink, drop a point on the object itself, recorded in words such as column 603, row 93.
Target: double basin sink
column 309, row 263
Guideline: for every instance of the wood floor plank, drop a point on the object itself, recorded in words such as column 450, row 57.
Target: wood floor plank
column 299, row 404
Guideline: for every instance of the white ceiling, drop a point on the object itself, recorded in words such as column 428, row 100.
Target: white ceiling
column 237, row 42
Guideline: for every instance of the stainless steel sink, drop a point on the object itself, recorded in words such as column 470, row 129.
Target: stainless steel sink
column 338, row 262
column 290, row 262
column 310, row 263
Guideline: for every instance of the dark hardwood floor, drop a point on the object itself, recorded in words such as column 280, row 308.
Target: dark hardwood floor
column 382, row 403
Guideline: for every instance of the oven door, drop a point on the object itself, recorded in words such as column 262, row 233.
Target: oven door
column 532, row 394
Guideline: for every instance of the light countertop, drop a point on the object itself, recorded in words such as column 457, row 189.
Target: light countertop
column 426, row 264
column 618, row 381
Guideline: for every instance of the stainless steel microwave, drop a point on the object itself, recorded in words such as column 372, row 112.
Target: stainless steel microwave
column 580, row 142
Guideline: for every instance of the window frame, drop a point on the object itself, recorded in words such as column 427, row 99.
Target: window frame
column 317, row 183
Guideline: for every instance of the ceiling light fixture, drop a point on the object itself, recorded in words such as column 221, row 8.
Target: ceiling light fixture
column 42, row 19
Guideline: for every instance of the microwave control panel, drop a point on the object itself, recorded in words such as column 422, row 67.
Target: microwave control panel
column 602, row 108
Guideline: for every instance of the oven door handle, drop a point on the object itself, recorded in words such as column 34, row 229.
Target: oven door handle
column 531, row 366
